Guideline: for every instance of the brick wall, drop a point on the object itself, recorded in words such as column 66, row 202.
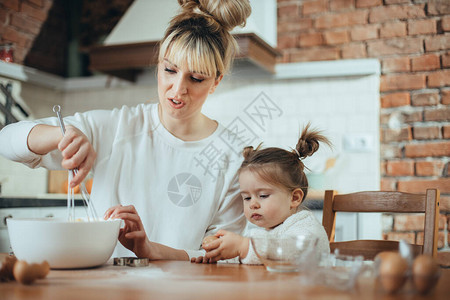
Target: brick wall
column 20, row 24
column 411, row 38
column 41, row 30
column 37, row 29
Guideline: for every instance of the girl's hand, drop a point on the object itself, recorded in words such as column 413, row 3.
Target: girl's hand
column 229, row 245
column 77, row 152
column 201, row 260
column 132, row 236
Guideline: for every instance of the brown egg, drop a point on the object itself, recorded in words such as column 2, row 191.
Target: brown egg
column 393, row 263
column 6, row 268
column 392, row 271
column 23, row 272
column 382, row 255
column 42, row 270
column 27, row 273
column 209, row 239
column 379, row 257
column 425, row 273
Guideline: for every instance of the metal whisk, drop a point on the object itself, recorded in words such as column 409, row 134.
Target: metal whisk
column 89, row 207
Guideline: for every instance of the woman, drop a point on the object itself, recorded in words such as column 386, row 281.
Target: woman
column 166, row 161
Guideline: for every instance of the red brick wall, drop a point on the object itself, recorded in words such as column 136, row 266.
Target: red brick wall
column 40, row 30
column 411, row 38
column 21, row 22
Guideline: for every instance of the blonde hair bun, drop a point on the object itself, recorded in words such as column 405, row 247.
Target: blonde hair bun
column 228, row 13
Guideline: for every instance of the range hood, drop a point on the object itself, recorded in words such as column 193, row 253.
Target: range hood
column 132, row 46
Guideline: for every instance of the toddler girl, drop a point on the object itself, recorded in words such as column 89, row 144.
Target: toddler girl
column 273, row 185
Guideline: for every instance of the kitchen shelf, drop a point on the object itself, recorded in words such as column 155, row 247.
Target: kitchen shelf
column 126, row 61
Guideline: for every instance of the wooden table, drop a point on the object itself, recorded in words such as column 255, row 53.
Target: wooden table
column 184, row 280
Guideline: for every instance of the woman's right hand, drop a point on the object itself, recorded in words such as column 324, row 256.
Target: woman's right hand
column 77, row 152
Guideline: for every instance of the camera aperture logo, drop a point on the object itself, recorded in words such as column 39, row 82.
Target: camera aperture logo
column 184, row 189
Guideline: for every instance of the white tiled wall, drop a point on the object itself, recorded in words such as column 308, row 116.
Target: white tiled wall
column 18, row 180
column 15, row 178
column 338, row 106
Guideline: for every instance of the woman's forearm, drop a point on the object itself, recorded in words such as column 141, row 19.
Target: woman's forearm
column 43, row 139
column 162, row 252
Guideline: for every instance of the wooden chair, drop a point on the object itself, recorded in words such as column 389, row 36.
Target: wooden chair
column 392, row 202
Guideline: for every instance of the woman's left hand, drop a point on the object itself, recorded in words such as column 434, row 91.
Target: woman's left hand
column 132, row 236
column 229, row 245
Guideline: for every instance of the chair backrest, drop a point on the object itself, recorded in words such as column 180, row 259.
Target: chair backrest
column 378, row 201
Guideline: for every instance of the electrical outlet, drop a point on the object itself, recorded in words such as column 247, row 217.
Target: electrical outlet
column 358, row 142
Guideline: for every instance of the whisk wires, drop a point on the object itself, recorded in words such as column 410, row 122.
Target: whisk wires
column 89, row 207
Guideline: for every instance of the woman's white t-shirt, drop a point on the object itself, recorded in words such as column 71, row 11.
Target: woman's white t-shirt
column 183, row 191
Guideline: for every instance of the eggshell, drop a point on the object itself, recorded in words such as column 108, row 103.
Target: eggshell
column 6, row 268
column 425, row 273
column 393, row 264
column 392, row 283
column 425, row 265
column 42, row 270
column 382, row 255
column 392, row 271
column 27, row 273
column 23, row 272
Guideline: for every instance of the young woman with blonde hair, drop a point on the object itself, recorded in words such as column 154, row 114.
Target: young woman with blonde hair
column 148, row 161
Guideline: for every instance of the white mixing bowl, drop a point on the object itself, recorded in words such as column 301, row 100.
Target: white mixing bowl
column 65, row 245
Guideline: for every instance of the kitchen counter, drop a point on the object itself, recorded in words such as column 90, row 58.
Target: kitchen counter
column 45, row 200
column 185, row 280
column 22, row 202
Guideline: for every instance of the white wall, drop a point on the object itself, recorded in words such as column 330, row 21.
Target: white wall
column 340, row 107
column 16, row 178
column 154, row 15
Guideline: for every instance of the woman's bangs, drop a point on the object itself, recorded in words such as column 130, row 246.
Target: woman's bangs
column 197, row 57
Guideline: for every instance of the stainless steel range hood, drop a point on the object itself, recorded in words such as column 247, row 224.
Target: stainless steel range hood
column 132, row 46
